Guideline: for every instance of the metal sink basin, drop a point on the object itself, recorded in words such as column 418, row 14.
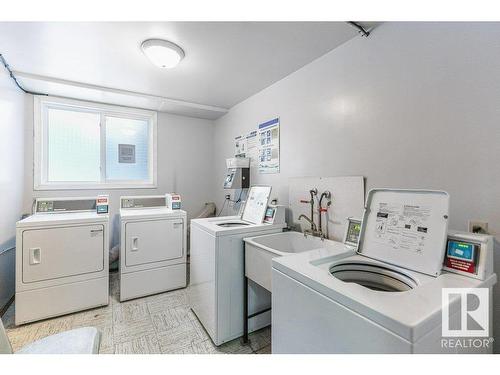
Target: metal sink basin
column 259, row 252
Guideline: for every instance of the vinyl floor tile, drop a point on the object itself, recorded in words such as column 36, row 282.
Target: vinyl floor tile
column 147, row 344
column 161, row 323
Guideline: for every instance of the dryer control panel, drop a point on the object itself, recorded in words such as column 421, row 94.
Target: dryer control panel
column 469, row 254
column 143, row 201
column 56, row 205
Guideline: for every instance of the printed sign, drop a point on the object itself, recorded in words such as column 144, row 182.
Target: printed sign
column 269, row 146
column 126, row 153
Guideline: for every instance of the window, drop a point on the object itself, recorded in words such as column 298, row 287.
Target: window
column 80, row 145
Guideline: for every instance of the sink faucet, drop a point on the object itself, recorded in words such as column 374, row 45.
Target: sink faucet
column 314, row 230
column 328, row 195
column 317, row 230
column 310, row 221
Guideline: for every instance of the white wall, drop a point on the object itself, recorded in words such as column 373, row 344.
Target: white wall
column 416, row 105
column 12, row 104
column 185, row 165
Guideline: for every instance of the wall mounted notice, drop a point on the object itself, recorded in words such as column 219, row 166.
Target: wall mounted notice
column 240, row 146
column 269, row 146
column 246, row 146
column 252, row 148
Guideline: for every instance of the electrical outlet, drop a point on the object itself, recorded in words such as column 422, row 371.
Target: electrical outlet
column 476, row 226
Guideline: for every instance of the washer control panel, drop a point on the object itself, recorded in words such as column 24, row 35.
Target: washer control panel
column 353, row 230
column 469, row 254
column 274, row 214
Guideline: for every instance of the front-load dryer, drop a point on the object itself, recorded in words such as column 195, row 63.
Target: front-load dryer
column 152, row 247
column 216, row 290
column 404, row 290
column 62, row 253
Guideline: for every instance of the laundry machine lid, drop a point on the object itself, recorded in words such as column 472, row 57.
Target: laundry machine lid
column 256, row 204
column 406, row 228
column 50, row 219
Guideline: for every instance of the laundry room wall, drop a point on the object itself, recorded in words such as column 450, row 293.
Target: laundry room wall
column 415, row 105
column 12, row 111
column 184, row 160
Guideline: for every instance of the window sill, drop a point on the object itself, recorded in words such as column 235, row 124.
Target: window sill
column 119, row 186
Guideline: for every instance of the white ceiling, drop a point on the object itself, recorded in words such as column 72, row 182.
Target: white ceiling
column 225, row 63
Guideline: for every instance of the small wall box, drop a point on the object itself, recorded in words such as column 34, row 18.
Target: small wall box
column 173, row 201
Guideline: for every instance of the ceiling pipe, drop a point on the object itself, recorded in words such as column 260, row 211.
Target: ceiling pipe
column 11, row 74
column 360, row 28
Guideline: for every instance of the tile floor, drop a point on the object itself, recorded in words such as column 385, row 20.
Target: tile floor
column 161, row 323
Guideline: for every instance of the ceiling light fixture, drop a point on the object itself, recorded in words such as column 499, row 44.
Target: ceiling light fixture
column 162, row 53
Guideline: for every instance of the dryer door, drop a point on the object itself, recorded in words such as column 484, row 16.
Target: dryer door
column 153, row 241
column 61, row 252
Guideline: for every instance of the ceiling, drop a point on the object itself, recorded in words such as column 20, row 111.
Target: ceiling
column 225, row 63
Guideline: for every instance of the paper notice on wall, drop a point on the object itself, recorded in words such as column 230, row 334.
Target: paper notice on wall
column 402, row 226
column 240, row 146
column 269, row 146
column 247, row 146
column 252, row 150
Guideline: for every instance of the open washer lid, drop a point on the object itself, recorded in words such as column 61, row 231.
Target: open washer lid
column 406, row 228
column 256, row 204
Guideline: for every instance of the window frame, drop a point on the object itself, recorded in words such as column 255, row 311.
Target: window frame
column 40, row 144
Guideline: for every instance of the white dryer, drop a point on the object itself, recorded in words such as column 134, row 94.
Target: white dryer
column 391, row 296
column 62, row 253
column 152, row 247
column 217, row 269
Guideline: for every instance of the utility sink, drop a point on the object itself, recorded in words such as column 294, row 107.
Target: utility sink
column 260, row 250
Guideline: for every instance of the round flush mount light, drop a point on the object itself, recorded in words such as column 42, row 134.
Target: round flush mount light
column 162, row 53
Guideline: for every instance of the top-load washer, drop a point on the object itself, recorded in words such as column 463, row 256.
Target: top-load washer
column 152, row 246
column 217, row 274
column 62, row 253
column 391, row 295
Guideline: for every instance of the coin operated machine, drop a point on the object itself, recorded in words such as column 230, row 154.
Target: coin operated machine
column 173, row 201
column 238, row 173
column 467, row 254
column 275, row 214
column 353, row 229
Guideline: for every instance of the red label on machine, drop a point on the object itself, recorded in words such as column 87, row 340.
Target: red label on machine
column 460, row 265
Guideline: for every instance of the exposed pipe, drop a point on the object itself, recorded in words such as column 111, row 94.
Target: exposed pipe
column 360, row 28
column 11, row 73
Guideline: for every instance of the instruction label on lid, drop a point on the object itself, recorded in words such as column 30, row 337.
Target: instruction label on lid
column 402, row 226
column 406, row 228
